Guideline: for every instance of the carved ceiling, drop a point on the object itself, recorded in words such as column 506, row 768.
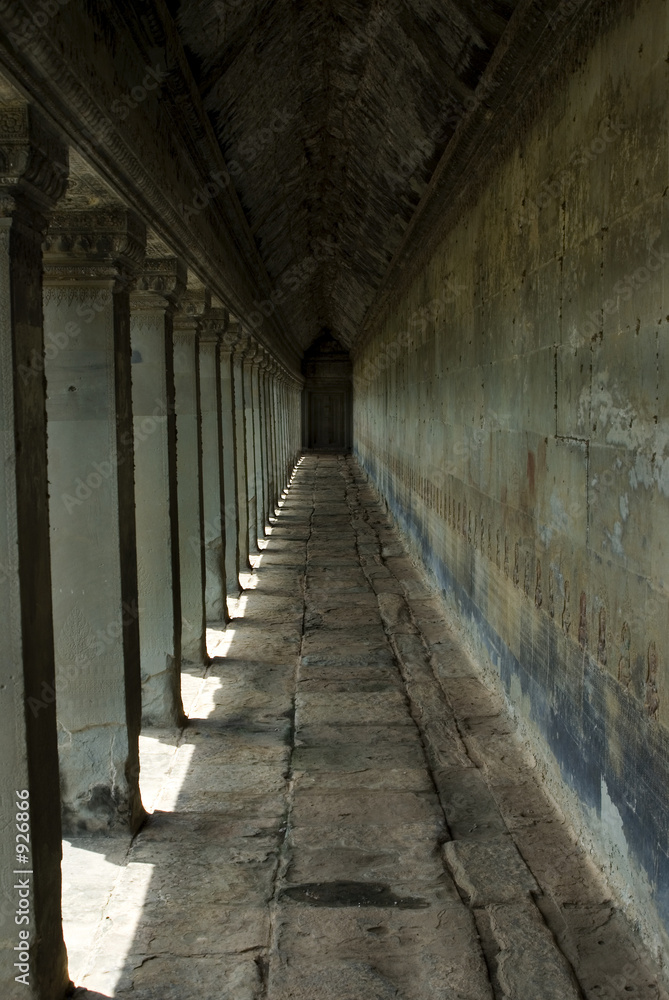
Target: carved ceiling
column 332, row 116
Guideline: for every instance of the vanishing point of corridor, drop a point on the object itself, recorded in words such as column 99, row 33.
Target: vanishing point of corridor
column 348, row 815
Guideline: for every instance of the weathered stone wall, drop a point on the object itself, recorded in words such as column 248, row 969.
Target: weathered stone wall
column 511, row 405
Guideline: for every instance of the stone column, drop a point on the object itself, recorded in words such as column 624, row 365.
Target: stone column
column 91, row 258
column 240, row 448
column 189, row 478
column 34, row 172
column 230, row 471
column 212, row 473
column 279, row 433
column 249, row 416
column 276, row 434
column 283, row 446
column 151, row 334
column 268, row 419
column 258, row 431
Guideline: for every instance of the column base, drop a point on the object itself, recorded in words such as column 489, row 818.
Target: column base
column 100, row 800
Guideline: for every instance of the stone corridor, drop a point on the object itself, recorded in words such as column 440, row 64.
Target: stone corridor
column 348, row 814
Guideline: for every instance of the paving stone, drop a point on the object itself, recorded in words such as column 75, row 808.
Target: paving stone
column 396, row 614
column 353, row 709
column 597, row 942
column 343, row 809
column 450, row 660
column 330, row 735
column 469, row 697
column 298, row 847
column 343, row 618
column 353, row 757
column 529, row 963
column 331, row 864
column 374, row 779
column 471, row 810
column 426, row 953
column 490, row 871
column 405, row 837
column 164, row 977
column 562, row 867
column 343, row 678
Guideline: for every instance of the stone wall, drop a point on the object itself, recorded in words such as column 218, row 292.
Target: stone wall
column 511, row 406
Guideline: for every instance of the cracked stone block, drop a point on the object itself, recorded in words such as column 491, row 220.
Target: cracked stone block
column 396, row 614
column 489, row 871
column 471, row 810
column 350, row 708
column 164, row 977
column 432, row 952
column 529, row 964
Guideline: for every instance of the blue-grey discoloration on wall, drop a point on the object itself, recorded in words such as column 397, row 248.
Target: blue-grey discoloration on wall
column 518, row 429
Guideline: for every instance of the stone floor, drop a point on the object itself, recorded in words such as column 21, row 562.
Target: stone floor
column 348, row 815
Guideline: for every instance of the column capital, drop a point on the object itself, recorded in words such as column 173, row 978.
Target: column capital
column 161, row 283
column 33, row 161
column 92, row 245
column 213, row 325
column 234, row 337
column 194, row 304
column 251, row 352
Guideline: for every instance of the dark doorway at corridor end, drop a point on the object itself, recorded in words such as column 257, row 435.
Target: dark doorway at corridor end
column 327, row 413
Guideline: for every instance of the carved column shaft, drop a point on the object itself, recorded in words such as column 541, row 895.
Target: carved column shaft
column 241, row 444
column 33, row 174
column 189, row 479
column 158, row 291
column 268, row 417
column 260, row 457
column 230, row 463
column 250, row 426
column 276, row 432
column 283, row 441
column 91, row 259
column 212, row 473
